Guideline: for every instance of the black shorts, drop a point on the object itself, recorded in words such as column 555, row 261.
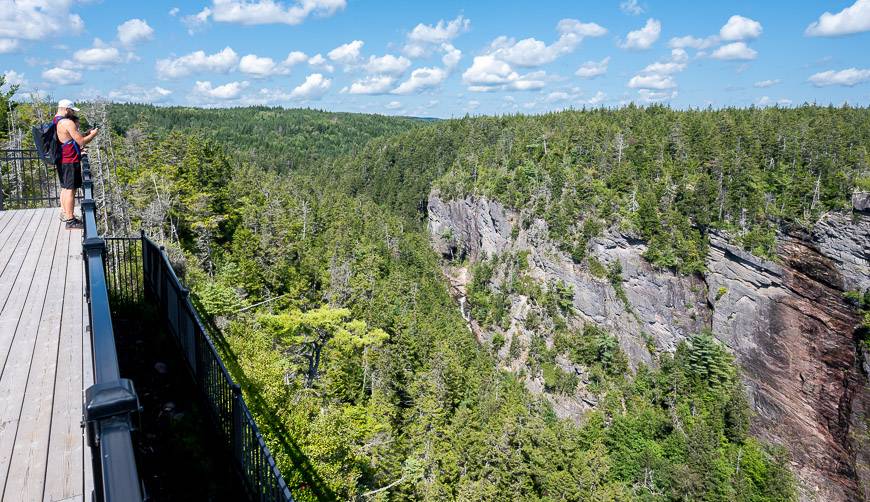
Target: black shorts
column 70, row 175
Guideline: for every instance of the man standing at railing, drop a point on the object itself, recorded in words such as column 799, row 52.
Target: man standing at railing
column 70, row 169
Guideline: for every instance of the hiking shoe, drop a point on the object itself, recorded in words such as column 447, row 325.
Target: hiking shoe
column 74, row 224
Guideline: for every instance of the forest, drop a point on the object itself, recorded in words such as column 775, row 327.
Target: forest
column 302, row 236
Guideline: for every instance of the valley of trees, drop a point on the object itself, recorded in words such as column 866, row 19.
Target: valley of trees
column 331, row 309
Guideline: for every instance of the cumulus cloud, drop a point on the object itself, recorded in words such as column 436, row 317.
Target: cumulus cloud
column 228, row 91
column 735, row 51
column 592, row 69
column 848, row 77
column 38, row 19
column 690, row 42
column 531, row 52
column 195, row 62
column 12, row 77
column 260, row 67
column 98, row 56
column 853, row 19
column 762, row 84
column 134, row 31
column 631, row 7
column 421, row 79
column 393, row 105
column 195, row 22
column 253, row 12
column 319, row 61
column 8, row 45
column 659, row 75
column 346, row 53
column 643, row 38
column 426, row 37
column 488, row 73
column 740, row 28
column 314, row 87
column 652, row 81
column 62, row 76
column 377, row 84
column 388, row 64
column 295, row 58
column 137, row 94
column 451, row 56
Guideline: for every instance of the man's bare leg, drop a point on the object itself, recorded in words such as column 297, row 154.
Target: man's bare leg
column 67, row 202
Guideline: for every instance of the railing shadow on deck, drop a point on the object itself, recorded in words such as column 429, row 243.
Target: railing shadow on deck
column 266, row 413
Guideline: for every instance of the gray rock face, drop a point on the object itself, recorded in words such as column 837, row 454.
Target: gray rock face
column 861, row 201
column 787, row 323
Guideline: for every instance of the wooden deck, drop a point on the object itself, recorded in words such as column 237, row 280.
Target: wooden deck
column 45, row 359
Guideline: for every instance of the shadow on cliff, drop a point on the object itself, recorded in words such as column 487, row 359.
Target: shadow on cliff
column 267, row 419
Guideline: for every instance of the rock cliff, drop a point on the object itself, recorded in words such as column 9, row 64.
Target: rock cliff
column 788, row 324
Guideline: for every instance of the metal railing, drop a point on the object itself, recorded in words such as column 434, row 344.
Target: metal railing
column 111, row 403
column 231, row 415
column 26, row 181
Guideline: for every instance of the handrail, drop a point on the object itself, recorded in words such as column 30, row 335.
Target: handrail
column 111, row 402
column 232, row 417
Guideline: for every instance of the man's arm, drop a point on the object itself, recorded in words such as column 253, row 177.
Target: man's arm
column 74, row 133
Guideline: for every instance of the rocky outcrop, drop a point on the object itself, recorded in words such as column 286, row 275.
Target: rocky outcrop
column 787, row 323
column 792, row 334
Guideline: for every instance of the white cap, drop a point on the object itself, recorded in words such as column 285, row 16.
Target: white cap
column 65, row 103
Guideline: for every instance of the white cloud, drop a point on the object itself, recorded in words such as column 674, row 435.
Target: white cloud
column 388, row 64
column 133, row 31
column 643, row 38
column 735, row 51
column 174, row 11
column 266, row 96
column 295, row 58
column 12, row 77
column 314, row 87
column 441, row 32
column 137, row 94
column 762, row 84
column 425, row 37
column 421, row 79
column 530, row 52
column 597, row 99
column 346, row 53
column 393, row 105
column 689, row 41
column 38, row 19
column 320, row 62
column 631, row 7
column 451, row 56
column 8, row 45
column 253, row 12
column 260, row 66
column 195, row 22
column 377, row 84
column 592, row 69
column 220, row 62
column 62, row 76
column 488, row 73
column 740, row 28
column 848, row 77
column 652, row 81
column 853, row 19
column 228, row 91
column 97, row 56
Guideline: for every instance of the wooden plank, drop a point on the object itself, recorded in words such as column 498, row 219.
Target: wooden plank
column 14, row 255
column 26, row 476
column 64, row 473
column 4, row 218
column 12, row 234
column 21, row 318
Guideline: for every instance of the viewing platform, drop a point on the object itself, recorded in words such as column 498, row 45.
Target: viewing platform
column 45, row 351
column 72, row 426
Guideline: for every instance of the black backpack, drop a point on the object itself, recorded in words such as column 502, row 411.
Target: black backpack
column 47, row 144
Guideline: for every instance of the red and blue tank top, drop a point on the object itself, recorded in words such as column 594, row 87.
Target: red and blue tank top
column 70, row 150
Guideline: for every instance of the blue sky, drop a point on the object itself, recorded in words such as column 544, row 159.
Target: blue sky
column 440, row 59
